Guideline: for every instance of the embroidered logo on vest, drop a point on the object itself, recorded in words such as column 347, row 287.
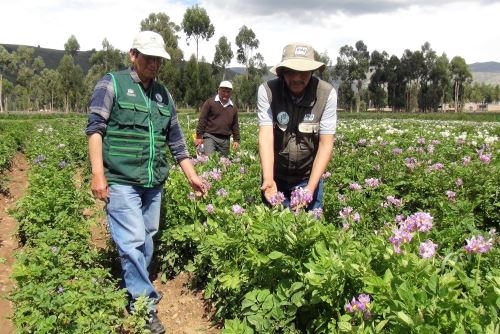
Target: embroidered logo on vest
column 130, row 92
column 283, row 118
column 308, row 117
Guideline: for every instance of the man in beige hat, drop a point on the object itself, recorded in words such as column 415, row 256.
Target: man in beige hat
column 218, row 120
column 132, row 123
column 297, row 114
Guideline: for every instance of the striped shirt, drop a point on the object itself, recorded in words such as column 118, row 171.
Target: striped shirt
column 102, row 103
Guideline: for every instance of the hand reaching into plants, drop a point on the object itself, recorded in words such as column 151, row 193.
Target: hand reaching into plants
column 194, row 180
column 269, row 188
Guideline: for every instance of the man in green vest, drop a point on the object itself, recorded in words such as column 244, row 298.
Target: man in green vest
column 297, row 114
column 132, row 123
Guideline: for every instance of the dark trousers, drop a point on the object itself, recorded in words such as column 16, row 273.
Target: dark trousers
column 214, row 143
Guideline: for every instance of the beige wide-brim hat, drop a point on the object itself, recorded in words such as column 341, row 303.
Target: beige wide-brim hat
column 150, row 43
column 298, row 57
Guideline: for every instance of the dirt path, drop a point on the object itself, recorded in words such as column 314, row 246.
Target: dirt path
column 181, row 310
column 18, row 182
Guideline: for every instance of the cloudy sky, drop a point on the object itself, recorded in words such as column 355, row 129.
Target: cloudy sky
column 458, row 28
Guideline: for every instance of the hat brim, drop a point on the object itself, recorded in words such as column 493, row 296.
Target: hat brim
column 155, row 52
column 301, row 65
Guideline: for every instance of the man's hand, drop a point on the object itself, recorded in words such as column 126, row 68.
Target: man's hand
column 269, row 188
column 198, row 141
column 198, row 186
column 99, row 187
column 235, row 145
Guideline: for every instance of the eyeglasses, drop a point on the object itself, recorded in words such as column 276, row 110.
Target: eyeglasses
column 150, row 59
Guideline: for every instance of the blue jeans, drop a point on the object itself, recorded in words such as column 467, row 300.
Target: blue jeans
column 286, row 188
column 133, row 218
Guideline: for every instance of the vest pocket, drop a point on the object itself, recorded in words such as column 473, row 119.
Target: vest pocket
column 125, row 161
column 308, row 127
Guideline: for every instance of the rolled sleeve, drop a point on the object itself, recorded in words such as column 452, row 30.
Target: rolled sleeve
column 265, row 114
column 328, row 123
column 100, row 106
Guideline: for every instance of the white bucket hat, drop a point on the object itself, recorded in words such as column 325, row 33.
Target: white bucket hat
column 298, row 57
column 150, row 43
column 226, row 84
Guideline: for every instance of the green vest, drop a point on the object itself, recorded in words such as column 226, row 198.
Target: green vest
column 296, row 127
column 135, row 142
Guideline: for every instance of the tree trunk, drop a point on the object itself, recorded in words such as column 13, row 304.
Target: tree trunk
column 1, row 97
column 456, row 96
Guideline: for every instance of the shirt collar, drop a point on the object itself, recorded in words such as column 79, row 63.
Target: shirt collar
column 229, row 102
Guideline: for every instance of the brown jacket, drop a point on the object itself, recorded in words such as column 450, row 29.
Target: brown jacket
column 218, row 120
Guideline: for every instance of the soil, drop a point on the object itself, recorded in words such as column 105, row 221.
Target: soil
column 182, row 310
column 18, row 183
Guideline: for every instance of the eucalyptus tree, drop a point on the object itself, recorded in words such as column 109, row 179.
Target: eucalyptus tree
column 395, row 84
column 72, row 46
column 412, row 67
column 191, row 83
column 461, row 75
column 327, row 74
column 428, row 97
column 246, row 87
column 378, row 79
column 441, row 81
column 27, row 68
column 196, row 24
column 341, row 73
column 246, row 42
column 71, row 77
column 223, row 55
column 52, row 84
column 352, row 66
column 6, row 65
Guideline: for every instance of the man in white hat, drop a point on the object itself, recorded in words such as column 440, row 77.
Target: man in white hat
column 132, row 123
column 218, row 120
column 297, row 114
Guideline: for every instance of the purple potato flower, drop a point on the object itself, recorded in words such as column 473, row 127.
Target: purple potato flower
column 427, row 249
column 477, row 244
column 360, row 305
column 277, row 199
column 317, row 213
column 300, row 197
column 238, row 210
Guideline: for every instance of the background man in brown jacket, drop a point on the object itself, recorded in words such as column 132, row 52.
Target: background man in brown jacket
column 218, row 120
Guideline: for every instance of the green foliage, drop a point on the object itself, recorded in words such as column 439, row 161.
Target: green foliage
column 62, row 286
column 272, row 271
column 196, row 24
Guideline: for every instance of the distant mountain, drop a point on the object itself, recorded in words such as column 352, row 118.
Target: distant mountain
column 487, row 73
column 52, row 57
column 490, row 66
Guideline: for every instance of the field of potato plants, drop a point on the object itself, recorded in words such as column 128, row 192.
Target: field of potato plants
column 407, row 241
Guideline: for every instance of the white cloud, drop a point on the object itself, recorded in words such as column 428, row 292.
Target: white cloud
column 466, row 28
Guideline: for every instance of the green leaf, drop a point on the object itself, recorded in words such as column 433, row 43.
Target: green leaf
column 345, row 326
column 274, row 255
column 405, row 318
column 381, row 325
